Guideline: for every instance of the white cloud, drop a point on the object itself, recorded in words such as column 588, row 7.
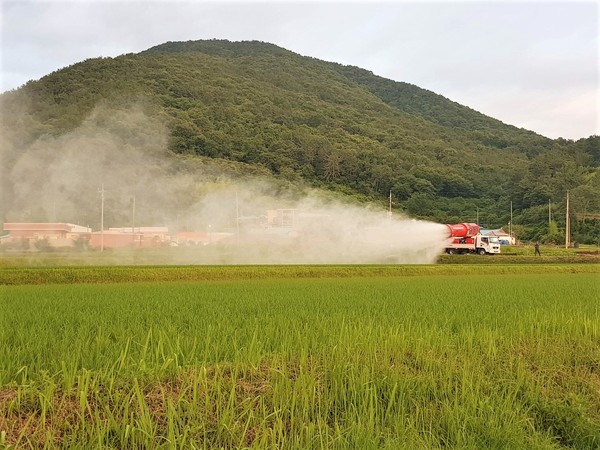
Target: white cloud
column 476, row 53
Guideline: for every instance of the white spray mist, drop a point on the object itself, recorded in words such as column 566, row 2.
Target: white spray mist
column 56, row 179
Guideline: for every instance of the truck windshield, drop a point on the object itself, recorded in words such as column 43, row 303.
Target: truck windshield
column 494, row 240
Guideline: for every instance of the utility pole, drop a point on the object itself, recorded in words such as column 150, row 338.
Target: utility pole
column 567, row 226
column 477, row 218
column 549, row 213
column 102, row 218
column 510, row 223
column 133, row 220
column 390, row 210
column 237, row 218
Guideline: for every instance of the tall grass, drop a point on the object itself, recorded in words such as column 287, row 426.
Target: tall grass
column 459, row 361
column 522, row 254
column 129, row 274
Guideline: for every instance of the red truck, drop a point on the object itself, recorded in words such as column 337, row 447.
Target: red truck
column 466, row 238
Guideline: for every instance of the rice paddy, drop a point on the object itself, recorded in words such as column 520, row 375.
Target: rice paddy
column 299, row 357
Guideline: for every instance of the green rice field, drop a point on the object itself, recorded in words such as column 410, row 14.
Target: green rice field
column 301, row 357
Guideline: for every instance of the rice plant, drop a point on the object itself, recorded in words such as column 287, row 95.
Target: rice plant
column 263, row 359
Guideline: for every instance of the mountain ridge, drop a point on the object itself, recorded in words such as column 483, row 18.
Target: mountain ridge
column 333, row 126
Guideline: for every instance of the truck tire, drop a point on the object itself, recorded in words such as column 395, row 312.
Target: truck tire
column 481, row 251
column 450, row 251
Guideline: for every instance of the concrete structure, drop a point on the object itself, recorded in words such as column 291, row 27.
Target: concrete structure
column 192, row 238
column 140, row 237
column 281, row 218
column 54, row 234
column 30, row 236
column 115, row 239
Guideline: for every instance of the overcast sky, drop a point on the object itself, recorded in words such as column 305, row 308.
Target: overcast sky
column 529, row 64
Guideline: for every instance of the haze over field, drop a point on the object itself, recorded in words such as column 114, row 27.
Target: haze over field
column 59, row 178
column 229, row 113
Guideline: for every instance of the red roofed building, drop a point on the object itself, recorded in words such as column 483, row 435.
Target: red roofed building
column 145, row 237
column 56, row 234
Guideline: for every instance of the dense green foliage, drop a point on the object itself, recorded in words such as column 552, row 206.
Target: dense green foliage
column 336, row 127
column 383, row 362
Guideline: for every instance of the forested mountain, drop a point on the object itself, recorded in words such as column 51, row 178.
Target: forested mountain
column 260, row 108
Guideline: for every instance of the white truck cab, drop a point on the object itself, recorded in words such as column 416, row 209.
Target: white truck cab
column 483, row 245
column 490, row 244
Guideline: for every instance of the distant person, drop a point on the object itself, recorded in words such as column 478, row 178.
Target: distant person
column 537, row 249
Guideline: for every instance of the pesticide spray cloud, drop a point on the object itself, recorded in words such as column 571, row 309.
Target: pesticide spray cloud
column 245, row 219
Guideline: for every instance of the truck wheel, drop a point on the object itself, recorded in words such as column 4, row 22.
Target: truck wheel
column 450, row 251
column 481, row 251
